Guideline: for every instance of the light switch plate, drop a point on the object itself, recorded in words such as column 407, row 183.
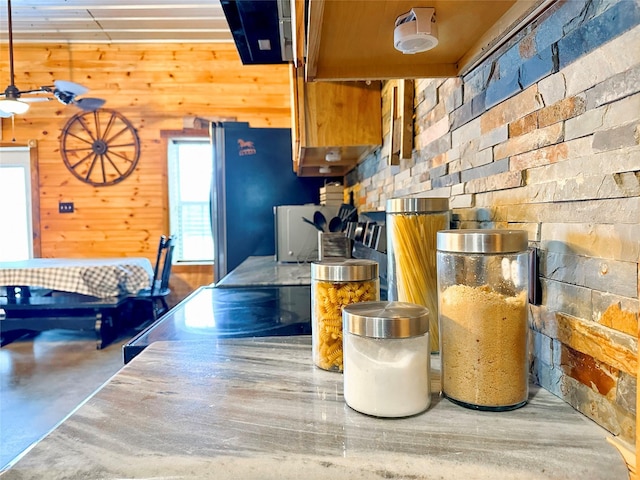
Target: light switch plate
column 65, row 207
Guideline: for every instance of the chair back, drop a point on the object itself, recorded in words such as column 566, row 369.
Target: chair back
column 156, row 267
column 162, row 269
column 166, row 267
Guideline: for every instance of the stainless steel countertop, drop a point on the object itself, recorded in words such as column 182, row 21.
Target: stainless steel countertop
column 266, row 271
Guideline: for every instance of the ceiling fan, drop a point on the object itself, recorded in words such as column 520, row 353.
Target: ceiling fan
column 11, row 101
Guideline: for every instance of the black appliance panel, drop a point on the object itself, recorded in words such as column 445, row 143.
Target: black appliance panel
column 212, row 312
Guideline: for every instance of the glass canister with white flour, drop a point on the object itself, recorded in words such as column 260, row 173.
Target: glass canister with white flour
column 335, row 284
column 386, row 358
column 483, row 305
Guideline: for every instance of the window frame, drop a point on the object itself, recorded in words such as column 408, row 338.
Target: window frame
column 168, row 136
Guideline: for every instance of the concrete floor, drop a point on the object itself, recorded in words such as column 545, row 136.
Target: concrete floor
column 43, row 379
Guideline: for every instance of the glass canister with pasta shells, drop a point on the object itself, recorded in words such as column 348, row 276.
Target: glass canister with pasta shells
column 335, row 284
column 412, row 224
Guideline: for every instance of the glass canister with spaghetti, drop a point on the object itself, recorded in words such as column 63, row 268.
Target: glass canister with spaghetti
column 335, row 284
column 412, row 224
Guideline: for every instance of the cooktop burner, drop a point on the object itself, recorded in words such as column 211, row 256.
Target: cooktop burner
column 231, row 312
column 226, row 296
column 227, row 320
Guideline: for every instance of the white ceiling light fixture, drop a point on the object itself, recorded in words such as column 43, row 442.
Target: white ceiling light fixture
column 416, row 31
column 13, row 106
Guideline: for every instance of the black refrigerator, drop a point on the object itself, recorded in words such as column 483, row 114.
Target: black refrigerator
column 252, row 173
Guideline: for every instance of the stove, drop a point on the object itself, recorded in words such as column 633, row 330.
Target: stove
column 217, row 312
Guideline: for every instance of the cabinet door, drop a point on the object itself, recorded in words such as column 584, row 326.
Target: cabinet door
column 341, row 114
column 339, row 120
column 297, row 119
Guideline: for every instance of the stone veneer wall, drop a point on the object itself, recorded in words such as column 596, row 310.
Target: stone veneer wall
column 544, row 136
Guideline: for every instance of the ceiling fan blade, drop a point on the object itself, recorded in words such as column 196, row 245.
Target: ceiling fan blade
column 35, row 91
column 70, row 87
column 89, row 104
column 34, row 99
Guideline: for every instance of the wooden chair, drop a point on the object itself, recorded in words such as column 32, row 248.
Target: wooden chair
column 157, row 294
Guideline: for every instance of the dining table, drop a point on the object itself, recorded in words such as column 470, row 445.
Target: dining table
column 70, row 293
column 97, row 277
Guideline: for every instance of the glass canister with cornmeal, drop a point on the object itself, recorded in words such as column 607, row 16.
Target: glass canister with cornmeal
column 335, row 284
column 483, row 305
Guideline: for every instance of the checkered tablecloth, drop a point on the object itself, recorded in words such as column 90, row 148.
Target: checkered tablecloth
column 98, row 277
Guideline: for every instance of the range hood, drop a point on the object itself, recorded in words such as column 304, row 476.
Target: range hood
column 261, row 30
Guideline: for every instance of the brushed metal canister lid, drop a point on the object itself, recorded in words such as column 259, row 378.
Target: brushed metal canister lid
column 481, row 241
column 385, row 319
column 417, row 205
column 352, row 270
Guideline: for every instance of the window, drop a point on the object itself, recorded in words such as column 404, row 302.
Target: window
column 190, row 174
column 16, row 241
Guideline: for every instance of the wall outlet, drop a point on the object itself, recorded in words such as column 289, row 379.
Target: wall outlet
column 65, row 207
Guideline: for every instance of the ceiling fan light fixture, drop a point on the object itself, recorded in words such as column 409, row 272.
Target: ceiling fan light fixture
column 12, row 106
column 66, row 92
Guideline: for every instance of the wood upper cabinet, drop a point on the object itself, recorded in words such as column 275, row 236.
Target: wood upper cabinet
column 338, row 121
column 354, row 40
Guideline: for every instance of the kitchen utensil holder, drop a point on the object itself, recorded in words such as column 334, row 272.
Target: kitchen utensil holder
column 333, row 245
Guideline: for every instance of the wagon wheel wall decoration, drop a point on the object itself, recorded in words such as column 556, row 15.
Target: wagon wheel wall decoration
column 100, row 148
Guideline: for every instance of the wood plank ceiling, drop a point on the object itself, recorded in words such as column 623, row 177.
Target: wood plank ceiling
column 115, row 21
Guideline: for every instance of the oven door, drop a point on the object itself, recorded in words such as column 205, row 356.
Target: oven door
column 237, row 312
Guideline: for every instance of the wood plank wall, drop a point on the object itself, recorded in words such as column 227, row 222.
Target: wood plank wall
column 157, row 88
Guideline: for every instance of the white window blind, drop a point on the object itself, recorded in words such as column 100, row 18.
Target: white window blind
column 190, row 174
